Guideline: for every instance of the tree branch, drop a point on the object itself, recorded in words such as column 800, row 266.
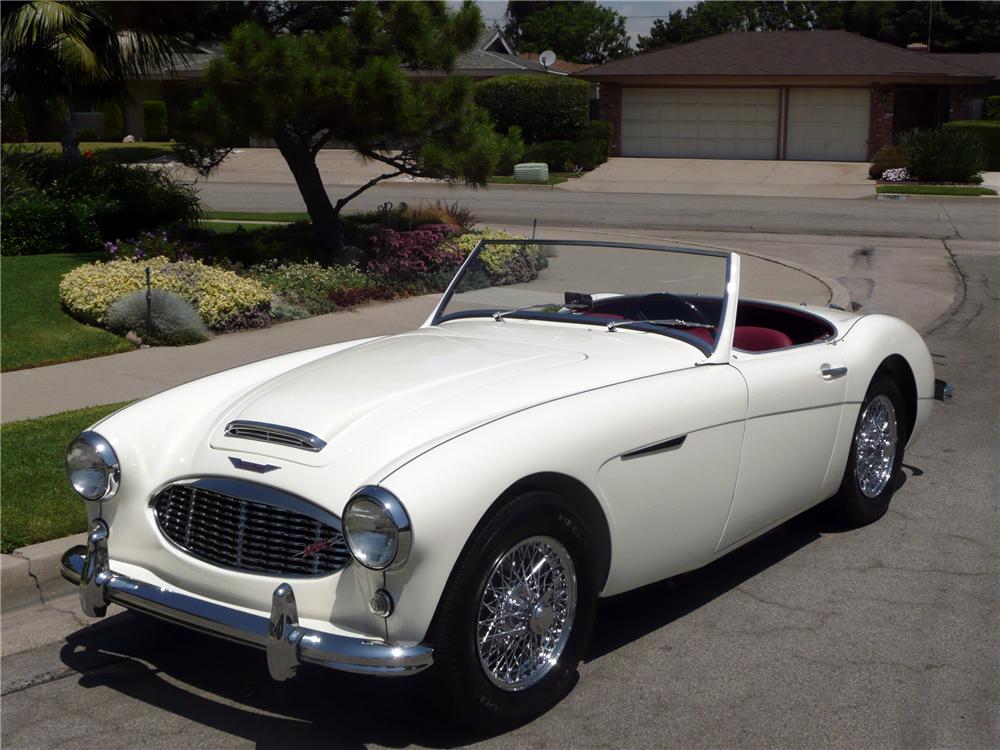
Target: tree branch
column 371, row 183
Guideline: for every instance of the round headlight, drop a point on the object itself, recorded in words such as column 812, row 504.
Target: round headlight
column 377, row 529
column 93, row 467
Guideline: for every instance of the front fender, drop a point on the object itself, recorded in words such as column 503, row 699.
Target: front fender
column 873, row 340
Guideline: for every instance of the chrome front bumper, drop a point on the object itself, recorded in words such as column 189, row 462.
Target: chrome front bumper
column 286, row 642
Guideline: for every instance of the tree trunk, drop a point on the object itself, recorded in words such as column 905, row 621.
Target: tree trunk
column 325, row 218
column 70, row 141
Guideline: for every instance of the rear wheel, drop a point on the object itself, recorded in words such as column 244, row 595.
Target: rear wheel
column 517, row 615
column 873, row 466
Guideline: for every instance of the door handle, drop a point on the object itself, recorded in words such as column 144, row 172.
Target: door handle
column 832, row 373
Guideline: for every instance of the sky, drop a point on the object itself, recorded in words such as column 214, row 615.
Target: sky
column 639, row 14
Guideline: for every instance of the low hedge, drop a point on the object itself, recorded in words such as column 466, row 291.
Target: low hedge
column 991, row 108
column 64, row 202
column 225, row 300
column 154, row 114
column 988, row 131
column 544, row 107
column 39, row 224
column 586, row 148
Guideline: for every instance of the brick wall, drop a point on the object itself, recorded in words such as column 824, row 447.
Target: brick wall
column 880, row 124
column 609, row 109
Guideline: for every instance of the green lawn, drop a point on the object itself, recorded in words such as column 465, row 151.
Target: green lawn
column 258, row 216
column 228, row 227
column 34, row 330
column 111, row 151
column 554, row 179
column 935, row 189
column 38, row 503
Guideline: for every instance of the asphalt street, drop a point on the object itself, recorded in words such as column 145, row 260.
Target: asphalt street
column 942, row 218
column 814, row 636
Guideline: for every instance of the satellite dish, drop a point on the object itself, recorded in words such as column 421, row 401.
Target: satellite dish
column 547, row 58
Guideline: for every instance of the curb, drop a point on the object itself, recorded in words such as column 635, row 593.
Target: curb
column 31, row 574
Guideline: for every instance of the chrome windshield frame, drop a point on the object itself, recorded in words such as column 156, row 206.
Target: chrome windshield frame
column 719, row 353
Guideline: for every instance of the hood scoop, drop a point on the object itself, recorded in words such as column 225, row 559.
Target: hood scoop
column 275, row 434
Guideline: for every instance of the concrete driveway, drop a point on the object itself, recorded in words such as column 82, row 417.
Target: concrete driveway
column 792, row 179
column 798, row 179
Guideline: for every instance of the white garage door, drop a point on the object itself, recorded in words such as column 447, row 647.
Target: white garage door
column 705, row 123
column 828, row 124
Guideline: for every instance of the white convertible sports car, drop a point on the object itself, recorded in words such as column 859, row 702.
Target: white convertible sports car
column 458, row 497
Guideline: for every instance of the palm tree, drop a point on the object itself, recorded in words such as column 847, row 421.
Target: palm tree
column 51, row 49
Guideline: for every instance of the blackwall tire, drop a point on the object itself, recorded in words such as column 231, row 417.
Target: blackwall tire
column 552, row 615
column 874, row 463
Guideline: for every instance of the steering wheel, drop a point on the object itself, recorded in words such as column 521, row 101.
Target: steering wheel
column 663, row 305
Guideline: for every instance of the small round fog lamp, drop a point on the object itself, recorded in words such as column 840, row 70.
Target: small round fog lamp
column 381, row 603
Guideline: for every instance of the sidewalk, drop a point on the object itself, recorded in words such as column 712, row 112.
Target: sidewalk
column 910, row 278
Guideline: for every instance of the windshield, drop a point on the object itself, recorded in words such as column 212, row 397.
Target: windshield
column 676, row 291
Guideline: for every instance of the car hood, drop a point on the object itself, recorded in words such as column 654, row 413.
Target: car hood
column 395, row 395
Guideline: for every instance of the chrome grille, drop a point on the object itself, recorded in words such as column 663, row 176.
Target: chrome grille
column 249, row 527
column 275, row 434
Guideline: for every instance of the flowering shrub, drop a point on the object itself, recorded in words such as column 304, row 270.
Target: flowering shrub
column 414, row 256
column 902, row 174
column 314, row 289
column 225, row 301
column 150, row 245
column 505, row 264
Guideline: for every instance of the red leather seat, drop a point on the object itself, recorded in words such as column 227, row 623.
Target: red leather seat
column 758, row 339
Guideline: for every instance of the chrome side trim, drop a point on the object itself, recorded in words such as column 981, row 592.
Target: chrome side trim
column 663, row 445
column 275, row 434
column 358, row 655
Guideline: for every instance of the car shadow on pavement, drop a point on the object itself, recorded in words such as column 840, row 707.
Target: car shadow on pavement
column 628, row 617
column 225, row 688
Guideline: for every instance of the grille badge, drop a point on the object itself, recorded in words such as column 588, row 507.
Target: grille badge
column 239, row 463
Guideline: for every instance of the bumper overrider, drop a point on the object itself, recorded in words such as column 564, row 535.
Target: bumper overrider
column 286, row 642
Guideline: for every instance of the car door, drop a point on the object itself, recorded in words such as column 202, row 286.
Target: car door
column 796, row 397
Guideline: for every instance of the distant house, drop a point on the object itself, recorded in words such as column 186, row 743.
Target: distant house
column 810, row 95
column 492, row 56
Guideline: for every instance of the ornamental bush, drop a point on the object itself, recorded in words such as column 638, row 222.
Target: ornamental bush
column 174, row 320
column 544, row 107
column 585, row 148
column 504, row 264
column 225, row 301
column 946, row 155
column 987, row 131
column 304, row 289
column 154, row 114
column 422, row 255
column 40, row 223
column 888, row 157
column 74, row 198
column 113, row 120
column 991, row 108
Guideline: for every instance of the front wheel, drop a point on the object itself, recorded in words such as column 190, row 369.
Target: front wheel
column 517, row 615
column 873, row 466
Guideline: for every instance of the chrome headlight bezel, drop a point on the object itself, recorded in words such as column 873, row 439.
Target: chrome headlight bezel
column 104, row 461
column 396, row 519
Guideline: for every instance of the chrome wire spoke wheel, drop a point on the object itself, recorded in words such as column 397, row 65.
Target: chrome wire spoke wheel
column 526, row 613
column 875, row 446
